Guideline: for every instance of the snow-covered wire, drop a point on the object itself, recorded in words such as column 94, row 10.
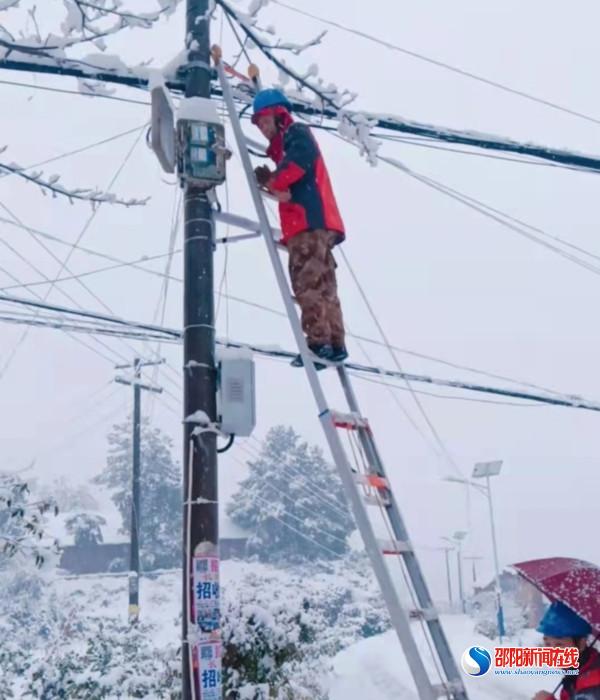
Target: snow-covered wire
column 506, row 220
column 274, row 353
column 397, row 387
column 440, row 64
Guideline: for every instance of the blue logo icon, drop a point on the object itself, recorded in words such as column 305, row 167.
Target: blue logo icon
column 476, row 661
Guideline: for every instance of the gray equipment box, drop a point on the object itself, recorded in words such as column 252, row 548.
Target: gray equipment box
column 237, row 393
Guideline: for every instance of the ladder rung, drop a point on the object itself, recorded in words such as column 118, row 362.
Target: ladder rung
column 395, row 546
column 349, row 421
column 426, row 614
column 374, row 480
column 375, row 499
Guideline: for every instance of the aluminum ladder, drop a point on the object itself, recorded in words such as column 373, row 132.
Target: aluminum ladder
column 367, row 487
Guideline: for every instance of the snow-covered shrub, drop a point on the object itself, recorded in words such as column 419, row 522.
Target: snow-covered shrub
column 485, row 614
column 267, row 650
column 107, row 659
column 22, row 524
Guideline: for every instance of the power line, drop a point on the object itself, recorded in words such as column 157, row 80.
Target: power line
column 97, row 271
column 45, row 88
column 82, row 249
column 437, row 437
column 440, row 64
column 263, row 307
column 492, row 213
column 558, row 399
column 66, row 260
column 330, row 109
column 444, row 396
column 83, row 149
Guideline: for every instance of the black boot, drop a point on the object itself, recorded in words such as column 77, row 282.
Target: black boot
column 339, row 354
column 322, row 351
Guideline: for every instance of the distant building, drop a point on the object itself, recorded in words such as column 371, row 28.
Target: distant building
column 112, row 554
column 521, row 593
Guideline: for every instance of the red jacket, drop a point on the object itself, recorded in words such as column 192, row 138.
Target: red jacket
column 301, row 170
column 586, row 685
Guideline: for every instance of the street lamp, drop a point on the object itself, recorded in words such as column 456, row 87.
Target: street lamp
column 457, row 539
column 485, row 470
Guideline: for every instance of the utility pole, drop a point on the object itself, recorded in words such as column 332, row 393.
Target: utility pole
column 201, row 634
column 134, row 544
column 473, row 559
column 447, row 551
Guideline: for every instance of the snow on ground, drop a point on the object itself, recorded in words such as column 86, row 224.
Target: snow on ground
column 376, row 669
column 372, row 669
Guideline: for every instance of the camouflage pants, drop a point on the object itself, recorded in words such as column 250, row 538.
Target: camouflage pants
column 312, row 274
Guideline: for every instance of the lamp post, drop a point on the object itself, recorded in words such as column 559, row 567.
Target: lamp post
column 457, row 540
column 485, row 470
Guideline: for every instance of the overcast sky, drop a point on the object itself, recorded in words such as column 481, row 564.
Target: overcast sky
column 444, row 281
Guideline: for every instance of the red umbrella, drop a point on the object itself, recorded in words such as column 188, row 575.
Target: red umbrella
column 574, row 582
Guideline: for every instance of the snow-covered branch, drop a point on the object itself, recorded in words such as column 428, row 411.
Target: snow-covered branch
column 85, row 21
column 22, row 523
column 354, row 126
column 53, row 184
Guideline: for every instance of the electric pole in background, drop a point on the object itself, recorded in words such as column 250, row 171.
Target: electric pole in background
column 447, row 551
column 201, row 622
column 134, row 544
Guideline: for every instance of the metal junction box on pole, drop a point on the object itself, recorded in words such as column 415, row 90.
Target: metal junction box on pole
column 237, row 393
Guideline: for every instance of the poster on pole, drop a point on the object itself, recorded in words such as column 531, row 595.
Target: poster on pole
column 206, row 603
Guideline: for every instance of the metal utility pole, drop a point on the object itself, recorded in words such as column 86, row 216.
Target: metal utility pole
column 201, row 636
column 134, row 545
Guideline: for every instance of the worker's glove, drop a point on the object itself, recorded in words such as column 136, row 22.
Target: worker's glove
column 263, row 175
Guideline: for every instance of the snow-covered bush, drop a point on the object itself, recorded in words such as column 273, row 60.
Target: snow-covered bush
column 107, row 659
column 485, row 614
column 22, row 524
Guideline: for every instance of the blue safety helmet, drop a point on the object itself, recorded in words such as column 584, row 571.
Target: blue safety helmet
column 561, row 621
column 270, row 98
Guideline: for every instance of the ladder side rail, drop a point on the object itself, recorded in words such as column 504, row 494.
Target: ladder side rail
column 400, row 533
column 398, row 615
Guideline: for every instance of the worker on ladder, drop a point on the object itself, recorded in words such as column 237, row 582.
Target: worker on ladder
column 310, row 221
